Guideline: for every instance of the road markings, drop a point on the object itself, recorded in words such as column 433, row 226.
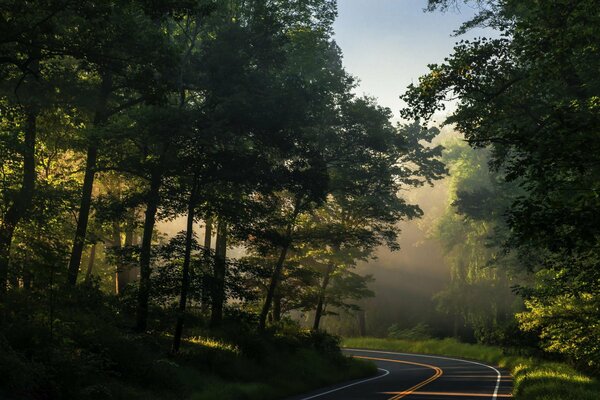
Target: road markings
column 450, row 394
column 499, row 375
column 437, row 374
column 386, row 372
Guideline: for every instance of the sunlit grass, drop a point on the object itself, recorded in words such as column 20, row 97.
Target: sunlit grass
column 213, row 344
column 534, row 379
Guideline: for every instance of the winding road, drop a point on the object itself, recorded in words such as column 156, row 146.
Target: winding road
column 424, row 377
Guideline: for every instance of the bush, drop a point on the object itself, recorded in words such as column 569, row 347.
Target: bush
column 420, row 331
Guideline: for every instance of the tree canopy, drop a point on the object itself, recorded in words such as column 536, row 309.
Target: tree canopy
column 530, row 96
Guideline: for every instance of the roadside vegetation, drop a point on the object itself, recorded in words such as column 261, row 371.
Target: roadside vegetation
column 534, row 377
column 91, row 354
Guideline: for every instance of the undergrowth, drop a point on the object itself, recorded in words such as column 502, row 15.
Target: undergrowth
column 80, row 345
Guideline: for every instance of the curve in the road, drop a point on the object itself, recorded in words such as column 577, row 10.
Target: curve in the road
column 437, row 374
column 385, row 373
column 498, row 374
column 460, row 379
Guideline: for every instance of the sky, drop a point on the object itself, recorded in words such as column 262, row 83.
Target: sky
column 387, row 44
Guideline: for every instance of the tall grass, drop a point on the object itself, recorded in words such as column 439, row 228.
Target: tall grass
column 534, row 379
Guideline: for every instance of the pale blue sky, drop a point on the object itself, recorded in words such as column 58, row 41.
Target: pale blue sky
column 387, row 44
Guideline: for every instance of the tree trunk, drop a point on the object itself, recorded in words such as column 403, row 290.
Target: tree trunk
column 88, row 184
column 277, row 306
column 90, row 266
column 218, row 287
column 275, row 276
column 146, row 250
column 185, row 271
column 22, row 202
column 130, row 241
column 362, row 323
column 19, row 207
column 206, row 272
column 6, row 234
column 27, row 280
column 320, row 303
column 122, row 273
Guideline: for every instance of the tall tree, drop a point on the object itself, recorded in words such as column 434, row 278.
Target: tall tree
column 123, row 60
column 531, row 95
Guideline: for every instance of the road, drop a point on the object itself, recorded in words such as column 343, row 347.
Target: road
column 423, row 377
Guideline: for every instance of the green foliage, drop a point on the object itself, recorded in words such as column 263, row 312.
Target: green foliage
column 479, row 296
column 567, row 325
column 86, row 353
column 421, row 331
column 530, row 96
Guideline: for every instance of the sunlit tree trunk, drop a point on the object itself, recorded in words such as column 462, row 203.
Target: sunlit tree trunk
column 131, row 239
column 185, row 271
column 146, row 250
column 121, row 274
column 218, row 287
column 20, row 205
column 88, row 184
column 91, row 261
column 206, row 270
column 278, row 269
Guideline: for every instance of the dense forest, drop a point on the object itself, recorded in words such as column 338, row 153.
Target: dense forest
column 238, row 119
column 239, row 114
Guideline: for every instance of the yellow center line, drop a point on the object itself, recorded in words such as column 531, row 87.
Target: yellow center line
column 451, row 394
column 494, row 377
column 437, row 374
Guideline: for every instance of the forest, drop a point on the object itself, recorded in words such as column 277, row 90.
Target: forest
column 236, row 122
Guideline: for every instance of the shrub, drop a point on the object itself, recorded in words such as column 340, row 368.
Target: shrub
column 419, row 331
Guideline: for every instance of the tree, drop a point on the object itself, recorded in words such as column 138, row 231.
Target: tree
column 531, row 95
column 122, row 64
column 377, row 161
column 472, row 231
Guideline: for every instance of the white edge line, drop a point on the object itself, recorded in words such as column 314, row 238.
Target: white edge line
column 347, row 386
column 494, row 396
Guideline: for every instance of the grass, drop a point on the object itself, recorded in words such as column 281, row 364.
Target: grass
column 281, row 370
column 534, row 379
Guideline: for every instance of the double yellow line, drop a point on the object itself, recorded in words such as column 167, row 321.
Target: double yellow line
column 437, row 374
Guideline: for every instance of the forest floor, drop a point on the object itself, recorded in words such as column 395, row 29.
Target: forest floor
column 534, row 378
column 85, row 348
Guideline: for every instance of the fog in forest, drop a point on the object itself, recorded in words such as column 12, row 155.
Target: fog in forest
column 406, row 280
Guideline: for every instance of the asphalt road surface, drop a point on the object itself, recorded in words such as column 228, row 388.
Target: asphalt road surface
column 420, row 377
